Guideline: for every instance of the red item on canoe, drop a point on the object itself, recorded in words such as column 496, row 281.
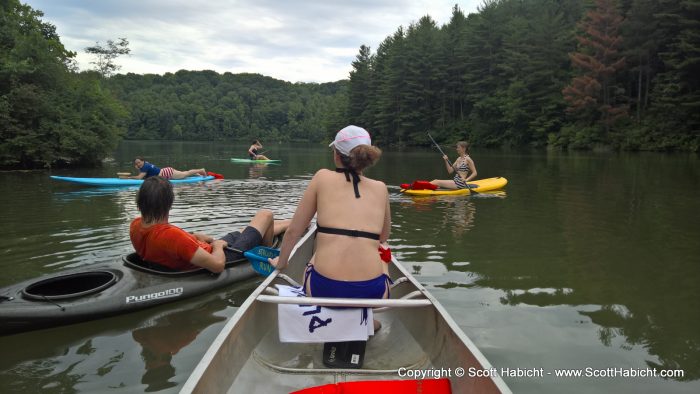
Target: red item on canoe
column 419, row 185
column 436, row 386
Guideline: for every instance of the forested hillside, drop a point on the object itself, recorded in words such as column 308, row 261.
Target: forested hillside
column 570, row 73
column 205, row 105
column 623, row 74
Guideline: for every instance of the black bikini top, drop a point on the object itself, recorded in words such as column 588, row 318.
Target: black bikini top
column 349, row 233
column 355, row 178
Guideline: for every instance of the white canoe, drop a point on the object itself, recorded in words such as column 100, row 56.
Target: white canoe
column 416, row 334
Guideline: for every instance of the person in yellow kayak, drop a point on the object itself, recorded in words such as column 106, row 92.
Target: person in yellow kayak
column 253, row 151
column 464, row 169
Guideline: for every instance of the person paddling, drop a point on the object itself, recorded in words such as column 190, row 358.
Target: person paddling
column 253, row 151
column 147, row 170
column 464, row 167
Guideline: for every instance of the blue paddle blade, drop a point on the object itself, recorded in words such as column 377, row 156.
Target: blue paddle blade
column 258, row 259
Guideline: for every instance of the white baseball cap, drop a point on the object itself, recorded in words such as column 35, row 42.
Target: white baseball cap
column 350, row 137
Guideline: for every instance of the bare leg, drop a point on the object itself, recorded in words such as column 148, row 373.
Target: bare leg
column 261, row 157
column 184, row 174
column 264, row 223
column 444, row 183
column 281, row 226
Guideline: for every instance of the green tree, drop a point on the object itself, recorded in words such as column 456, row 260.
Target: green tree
column 106, row 56
column 48, row 114
column 360, row 87
column 675, row 95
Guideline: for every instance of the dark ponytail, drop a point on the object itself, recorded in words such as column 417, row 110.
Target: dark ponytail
column 361, row 157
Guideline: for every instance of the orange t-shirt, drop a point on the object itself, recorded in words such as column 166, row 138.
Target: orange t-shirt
column 165, row 244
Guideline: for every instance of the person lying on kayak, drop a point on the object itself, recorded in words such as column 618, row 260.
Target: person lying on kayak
column 147, row 170
column 353, row 218
column 157, row 241
column 463, row 166
column 253, row 151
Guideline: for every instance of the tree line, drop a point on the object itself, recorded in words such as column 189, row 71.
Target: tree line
column 205, row 105
column 565, row 73
column 562, row 73
column 51, row 114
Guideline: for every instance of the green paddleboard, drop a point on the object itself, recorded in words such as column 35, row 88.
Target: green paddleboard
column 236, row 160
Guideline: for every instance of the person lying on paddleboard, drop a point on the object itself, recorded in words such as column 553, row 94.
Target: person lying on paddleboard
column 463, row 166
column 353, row 218
column 147, row 170
column 158, row 241
column 253, row 151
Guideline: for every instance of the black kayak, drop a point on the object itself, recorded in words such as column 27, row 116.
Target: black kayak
column 103, row 290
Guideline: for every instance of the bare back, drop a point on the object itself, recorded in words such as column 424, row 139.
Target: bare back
column 344, row 257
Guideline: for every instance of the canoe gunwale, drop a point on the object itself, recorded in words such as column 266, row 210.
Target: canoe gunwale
column 345, row 302
column 239, row 340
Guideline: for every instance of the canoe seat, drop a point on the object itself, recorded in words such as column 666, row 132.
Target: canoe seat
column 391, row 348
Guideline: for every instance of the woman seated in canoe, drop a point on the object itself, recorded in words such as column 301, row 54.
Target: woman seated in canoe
column 147, row 170
column 353, row 219
column 158, row 241
column 463, row 166
column 253, row 151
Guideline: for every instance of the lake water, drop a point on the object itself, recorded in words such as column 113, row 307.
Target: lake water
column 584, row 260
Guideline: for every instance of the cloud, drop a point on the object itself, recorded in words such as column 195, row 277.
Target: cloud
column 297, row 41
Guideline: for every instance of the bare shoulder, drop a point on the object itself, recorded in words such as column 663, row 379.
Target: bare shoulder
column 322, row 173
column 376, row 184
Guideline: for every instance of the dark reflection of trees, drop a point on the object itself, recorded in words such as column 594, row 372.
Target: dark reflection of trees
column 166, row 336
column 674, row 339
column 613, row 234
column 676, row 344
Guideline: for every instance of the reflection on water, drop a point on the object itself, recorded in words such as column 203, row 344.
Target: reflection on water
column 102, row 354
column 458, row 212
column 257, row 170
column 591, row 260
column 164, row 337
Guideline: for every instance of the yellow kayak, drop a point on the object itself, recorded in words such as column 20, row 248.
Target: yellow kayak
column 482, row 185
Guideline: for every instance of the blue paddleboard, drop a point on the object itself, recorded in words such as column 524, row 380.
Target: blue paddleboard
column 123, row 182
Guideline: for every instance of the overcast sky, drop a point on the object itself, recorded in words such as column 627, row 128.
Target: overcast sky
column 293, row 40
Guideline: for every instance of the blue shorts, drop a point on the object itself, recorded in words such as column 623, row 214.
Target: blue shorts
column 248, row 239
column 321, row 286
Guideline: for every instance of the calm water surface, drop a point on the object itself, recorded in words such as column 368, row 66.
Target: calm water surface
column 584, row 261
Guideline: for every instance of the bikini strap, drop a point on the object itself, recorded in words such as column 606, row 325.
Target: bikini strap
column 355, row 178
column 307, row 273
column 388, row 283
column 349, row 233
